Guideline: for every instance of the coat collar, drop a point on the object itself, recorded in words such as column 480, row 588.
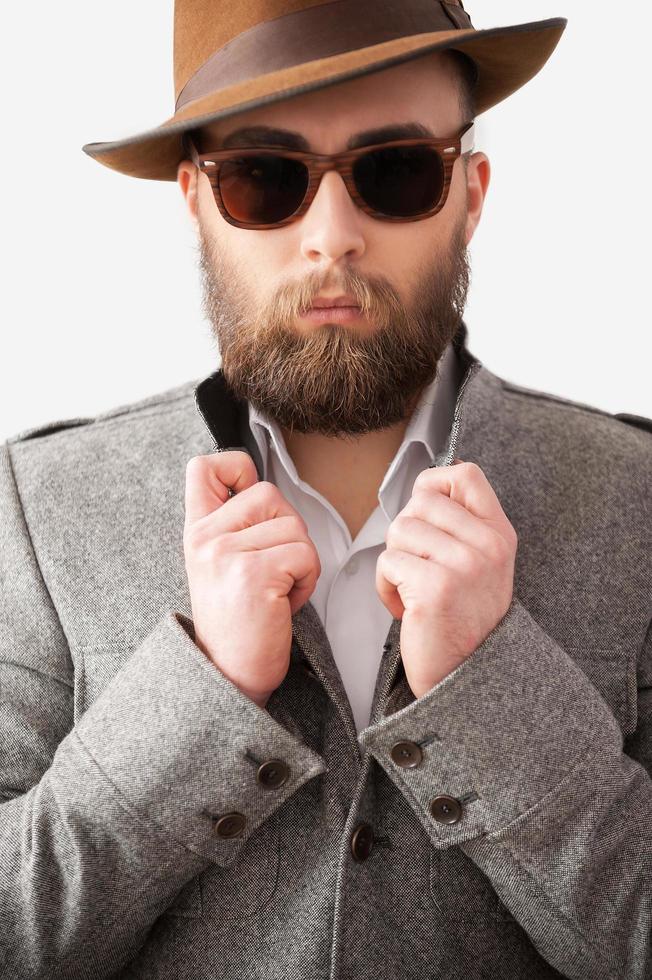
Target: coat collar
column 227, row 420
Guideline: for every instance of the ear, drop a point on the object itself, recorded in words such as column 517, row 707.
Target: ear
column 478, row 176
column 187, row 178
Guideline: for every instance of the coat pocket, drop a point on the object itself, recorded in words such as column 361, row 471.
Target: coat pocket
column 231, row 894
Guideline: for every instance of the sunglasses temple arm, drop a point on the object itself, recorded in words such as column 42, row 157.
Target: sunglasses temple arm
column 190, row 149
column 468, row 140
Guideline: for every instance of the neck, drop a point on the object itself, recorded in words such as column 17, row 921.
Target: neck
column 347, row 472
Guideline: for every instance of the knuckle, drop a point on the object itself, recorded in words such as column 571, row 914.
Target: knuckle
column 199, row 546
column 308, row 547
column 193, row 536
column 220, row 545
column 470, row 470
column 501, row 548
column 267, row 488
column 298, row 526
column 195, row 463
column 391, row 534
column 445, row 588
column 268, row 492
column 396, row 530
column 422, row 481
column 241, row 569
column 471, row 563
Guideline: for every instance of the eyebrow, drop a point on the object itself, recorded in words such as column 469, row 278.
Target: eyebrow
column 251, row 136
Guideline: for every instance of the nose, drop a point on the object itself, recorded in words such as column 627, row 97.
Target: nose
column 331, row 228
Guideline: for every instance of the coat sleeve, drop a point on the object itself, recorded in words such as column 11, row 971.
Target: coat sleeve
column 102, row 822
column 556, row 814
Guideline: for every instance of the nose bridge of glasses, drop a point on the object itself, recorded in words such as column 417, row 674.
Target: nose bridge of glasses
column 335, row 173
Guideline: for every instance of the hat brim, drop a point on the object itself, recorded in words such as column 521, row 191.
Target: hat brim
column 506, row 57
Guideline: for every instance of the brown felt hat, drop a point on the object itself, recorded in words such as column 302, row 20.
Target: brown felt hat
column 230, row 57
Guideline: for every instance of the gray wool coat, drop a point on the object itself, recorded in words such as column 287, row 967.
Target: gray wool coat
column 156, row 823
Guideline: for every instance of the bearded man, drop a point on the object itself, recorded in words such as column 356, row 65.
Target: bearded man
column 335, row 664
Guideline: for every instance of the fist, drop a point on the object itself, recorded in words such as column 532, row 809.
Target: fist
column 448, row 570
column 250, row 567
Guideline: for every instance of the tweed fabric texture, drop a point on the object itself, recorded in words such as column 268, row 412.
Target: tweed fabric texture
column 120, row 743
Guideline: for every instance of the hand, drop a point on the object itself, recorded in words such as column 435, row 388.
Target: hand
column 250, row 567
column 448, row 570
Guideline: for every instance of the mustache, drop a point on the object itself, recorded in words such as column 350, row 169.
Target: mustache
column 374, row 295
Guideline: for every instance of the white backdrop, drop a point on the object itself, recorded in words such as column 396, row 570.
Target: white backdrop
column 100, row 299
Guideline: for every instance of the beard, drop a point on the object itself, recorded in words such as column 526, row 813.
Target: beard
column 333, row 379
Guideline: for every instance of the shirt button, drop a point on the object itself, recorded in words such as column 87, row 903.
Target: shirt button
column 362, row 841
column 273, row 773
column 406, row 754
column 230, row 825
column 352, row 565
column 446, row 809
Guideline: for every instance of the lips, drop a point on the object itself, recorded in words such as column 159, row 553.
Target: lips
column 329, row 302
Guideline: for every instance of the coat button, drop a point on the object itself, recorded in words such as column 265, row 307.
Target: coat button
column 273, row 774
column 230, row 825
column 446, row 809
column 406, row 754
column 362, row 841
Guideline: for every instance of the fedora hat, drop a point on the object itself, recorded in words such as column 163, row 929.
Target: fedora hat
column 231, row 57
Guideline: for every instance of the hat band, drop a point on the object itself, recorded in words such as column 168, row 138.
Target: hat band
column 319, row 31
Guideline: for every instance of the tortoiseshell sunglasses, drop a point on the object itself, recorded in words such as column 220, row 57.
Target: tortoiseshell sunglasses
column 400, row 180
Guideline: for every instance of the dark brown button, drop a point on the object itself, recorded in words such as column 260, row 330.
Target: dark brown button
column 407, row 754
column 230, row 825
column 446, row 809
column 273, row 774
column 362, row 841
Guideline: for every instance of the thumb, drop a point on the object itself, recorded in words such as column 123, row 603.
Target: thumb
column 210, row 478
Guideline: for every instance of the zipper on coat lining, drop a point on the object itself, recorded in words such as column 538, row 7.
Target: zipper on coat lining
column 457, row 415
column 450, row 455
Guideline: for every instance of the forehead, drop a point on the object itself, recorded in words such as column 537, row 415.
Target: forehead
column 424, row 91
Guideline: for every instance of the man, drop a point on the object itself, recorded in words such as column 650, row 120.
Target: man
column 366, row 693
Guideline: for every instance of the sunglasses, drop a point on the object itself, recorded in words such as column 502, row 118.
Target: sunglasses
column 399, row 180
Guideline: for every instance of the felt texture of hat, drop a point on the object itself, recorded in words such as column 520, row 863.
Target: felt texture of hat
column 231, row 58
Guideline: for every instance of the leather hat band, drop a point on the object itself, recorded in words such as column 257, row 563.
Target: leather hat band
column 319, row 31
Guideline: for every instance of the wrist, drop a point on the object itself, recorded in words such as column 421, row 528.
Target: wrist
column 258, row 699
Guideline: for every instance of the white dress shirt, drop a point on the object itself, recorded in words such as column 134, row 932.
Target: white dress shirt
column 345, row 598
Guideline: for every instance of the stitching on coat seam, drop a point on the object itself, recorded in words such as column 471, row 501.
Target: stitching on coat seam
column 561, row 403
column 132, row 414
column 135, row 417
column 104, row 421
column 129, row 409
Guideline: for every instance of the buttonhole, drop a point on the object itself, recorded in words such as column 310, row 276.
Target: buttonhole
column 433, row 737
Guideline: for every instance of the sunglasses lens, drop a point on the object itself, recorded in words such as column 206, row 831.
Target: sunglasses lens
column 400, row 181
column 262, row 189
